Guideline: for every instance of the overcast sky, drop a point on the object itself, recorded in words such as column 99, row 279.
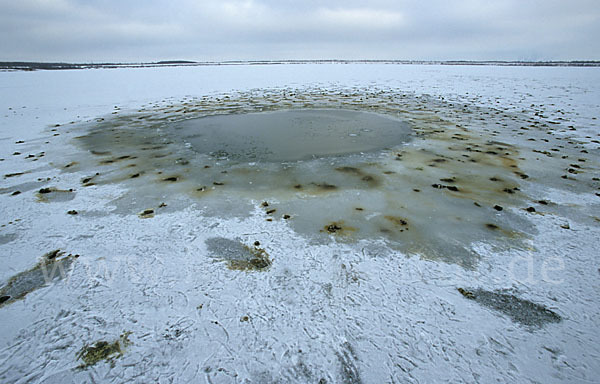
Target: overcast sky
column 149, row 30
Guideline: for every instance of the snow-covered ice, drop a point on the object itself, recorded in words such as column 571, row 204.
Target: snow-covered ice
column 465, row 253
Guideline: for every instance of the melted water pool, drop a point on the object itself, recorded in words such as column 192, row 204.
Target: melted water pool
column 325, row 165
column 292, row 135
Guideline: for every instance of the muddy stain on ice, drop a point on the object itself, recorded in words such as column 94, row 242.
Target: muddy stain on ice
column 519, row 310
column 389, row 166
column 53, row 266
column 238, row 256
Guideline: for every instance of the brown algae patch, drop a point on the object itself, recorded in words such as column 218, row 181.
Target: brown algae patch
column 324, row 186
column 53, row 265
column 6, row 176
column 399, row 223
column 146, row 213
column 51, row 194
column 171, row 179
column 338, row 228
column 258, row 262
column 238, row 256
column 103, row 350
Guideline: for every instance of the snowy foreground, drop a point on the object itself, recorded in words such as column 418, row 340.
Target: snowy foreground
column 467, row 254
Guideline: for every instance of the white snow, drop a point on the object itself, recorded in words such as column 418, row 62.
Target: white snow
column 331, row 310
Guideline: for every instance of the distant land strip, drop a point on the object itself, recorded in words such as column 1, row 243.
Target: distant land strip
column 33, row 66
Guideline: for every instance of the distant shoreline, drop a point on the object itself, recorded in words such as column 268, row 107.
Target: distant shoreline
column 33, row 66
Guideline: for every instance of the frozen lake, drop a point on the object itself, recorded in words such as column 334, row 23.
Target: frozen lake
column 292, row 135
column 300, row 223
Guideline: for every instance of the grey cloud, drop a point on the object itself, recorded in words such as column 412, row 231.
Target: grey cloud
column 110, row 30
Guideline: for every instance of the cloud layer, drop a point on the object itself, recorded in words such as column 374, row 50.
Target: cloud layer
column 147, row 30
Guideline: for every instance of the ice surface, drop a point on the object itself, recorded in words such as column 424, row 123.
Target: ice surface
column 431, row 192
column 291, row 135
column 350, row 294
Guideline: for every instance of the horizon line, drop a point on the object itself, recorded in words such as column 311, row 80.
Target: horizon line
column 57, row 65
